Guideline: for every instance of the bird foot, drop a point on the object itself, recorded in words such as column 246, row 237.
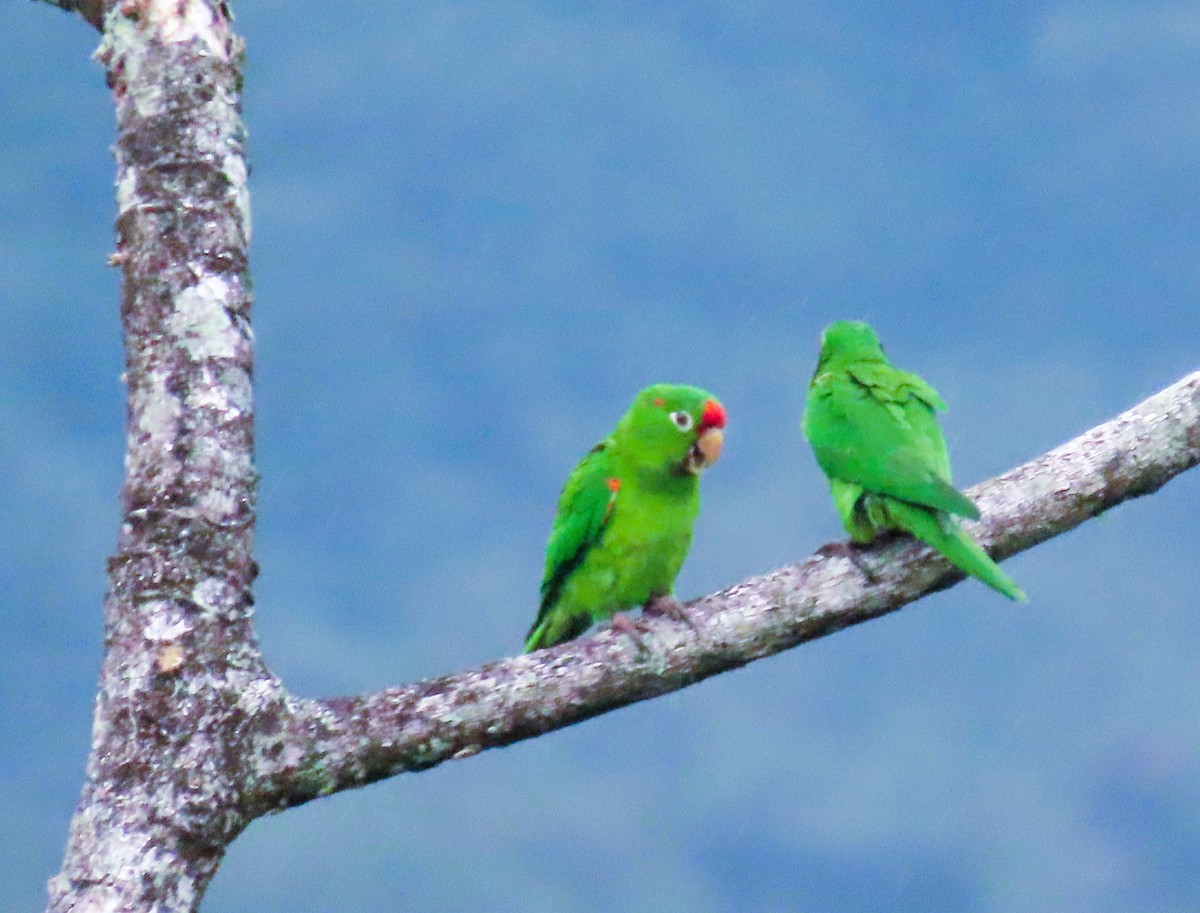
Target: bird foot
column 623, row 624
column 853, row 552
column 672, row 608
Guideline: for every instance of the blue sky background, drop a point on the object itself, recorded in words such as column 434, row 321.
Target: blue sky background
column 479, row 229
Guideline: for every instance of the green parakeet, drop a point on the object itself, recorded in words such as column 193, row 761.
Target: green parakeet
column 624, row 521
column 875, row 433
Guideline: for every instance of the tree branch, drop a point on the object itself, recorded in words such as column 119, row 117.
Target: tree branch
column 330, row 745
column 92, row 11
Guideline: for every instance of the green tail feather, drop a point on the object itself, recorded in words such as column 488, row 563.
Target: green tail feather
column 943, row 533
column 554, row 628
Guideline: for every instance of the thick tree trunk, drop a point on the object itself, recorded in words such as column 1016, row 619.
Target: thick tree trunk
column 166, row 773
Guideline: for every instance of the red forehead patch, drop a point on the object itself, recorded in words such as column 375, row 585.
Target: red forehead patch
column 614, row 484
column 713, row 415
column 659, row 401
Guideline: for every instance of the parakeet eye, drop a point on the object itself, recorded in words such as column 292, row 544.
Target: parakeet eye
column 683, row 420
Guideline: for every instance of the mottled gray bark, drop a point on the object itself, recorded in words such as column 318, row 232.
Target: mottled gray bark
column 182, row 674
column 193, row 735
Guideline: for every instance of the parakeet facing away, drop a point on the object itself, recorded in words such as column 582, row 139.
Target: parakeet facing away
column 875, row 433
column 624, row 522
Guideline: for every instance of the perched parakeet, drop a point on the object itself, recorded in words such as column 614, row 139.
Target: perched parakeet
column 875, row 433
column 624, row 522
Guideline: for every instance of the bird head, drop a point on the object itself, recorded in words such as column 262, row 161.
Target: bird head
column 848, row 341
column 676, row 426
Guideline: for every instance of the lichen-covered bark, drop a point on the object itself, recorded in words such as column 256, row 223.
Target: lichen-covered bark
column 162, row 797
column 335, row 744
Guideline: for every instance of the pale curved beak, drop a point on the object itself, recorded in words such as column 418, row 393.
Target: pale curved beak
column 705, row 451
column 709, row 444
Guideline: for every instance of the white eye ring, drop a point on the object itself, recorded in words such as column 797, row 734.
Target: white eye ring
column 683, row 420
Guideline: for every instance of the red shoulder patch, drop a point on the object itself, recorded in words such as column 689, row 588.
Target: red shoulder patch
column 614, row 485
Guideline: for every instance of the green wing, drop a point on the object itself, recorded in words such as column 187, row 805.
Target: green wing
column 584, row 510
column 911, row 402
column 876, row 426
